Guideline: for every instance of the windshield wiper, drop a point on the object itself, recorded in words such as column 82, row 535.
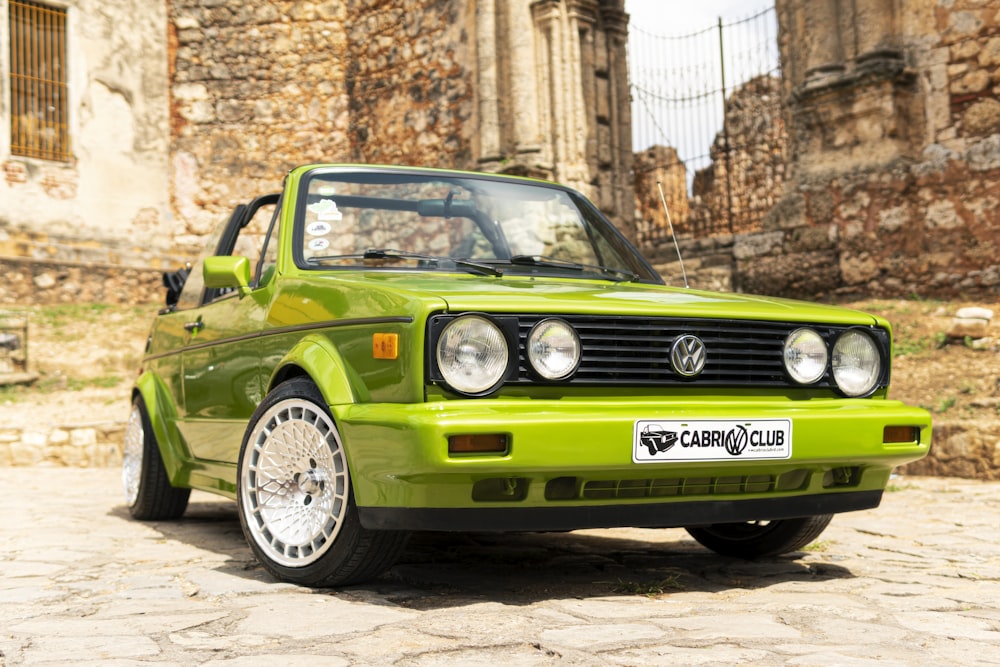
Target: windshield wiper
column 391, row 253
column 556, row 263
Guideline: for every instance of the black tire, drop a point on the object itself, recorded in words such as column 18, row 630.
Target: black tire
column 148, row 492
column 296, row 503
column 757, row 539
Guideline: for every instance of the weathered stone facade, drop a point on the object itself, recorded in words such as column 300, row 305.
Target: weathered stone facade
column 895, row 172
column 892, row 178
column 500, row 85
column 84, row 446
column 744, row 180
column 183, row 109
column 109, row 203
column 31, row 281
column 660, row 168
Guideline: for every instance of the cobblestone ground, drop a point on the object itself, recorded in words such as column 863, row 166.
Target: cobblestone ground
column 916, row 581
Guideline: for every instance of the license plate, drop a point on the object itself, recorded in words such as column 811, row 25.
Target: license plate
column 659, row 441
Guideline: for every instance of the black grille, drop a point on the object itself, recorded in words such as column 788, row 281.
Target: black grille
column 636, row 350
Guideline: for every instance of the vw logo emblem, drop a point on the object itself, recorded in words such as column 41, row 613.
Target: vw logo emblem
column 687, row 356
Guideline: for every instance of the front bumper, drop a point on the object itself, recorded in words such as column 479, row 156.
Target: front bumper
column 569, row 464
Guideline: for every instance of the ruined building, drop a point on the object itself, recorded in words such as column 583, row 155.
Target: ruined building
column 894, row 176
column 169, row 113
column 128, row 128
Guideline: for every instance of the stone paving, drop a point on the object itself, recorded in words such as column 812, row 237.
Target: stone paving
column 916, row 581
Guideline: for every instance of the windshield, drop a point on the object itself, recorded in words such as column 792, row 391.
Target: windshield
column 421, row 221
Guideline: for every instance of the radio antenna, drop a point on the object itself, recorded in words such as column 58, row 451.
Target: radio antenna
column 663, row 200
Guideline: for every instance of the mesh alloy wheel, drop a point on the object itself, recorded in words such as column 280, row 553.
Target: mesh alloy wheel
column 132, row 456
column 149, row 494
column 294, row 483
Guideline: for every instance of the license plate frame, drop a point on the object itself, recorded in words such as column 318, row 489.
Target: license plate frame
column 710, row 440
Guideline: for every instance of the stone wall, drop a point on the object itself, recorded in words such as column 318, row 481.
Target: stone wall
column 113, row 189
column 733, row 194
column 78, row 445
column 895, row 130
column 893, row 175
column 749, row 160
column 53, row 282
column 969, row 449
column 656, row 168
column 502, row 85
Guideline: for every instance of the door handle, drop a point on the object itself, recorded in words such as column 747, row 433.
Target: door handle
column 195, row 326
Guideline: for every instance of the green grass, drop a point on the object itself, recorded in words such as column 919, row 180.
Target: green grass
column 51, row 383
column 945, row 404
column 59, row 316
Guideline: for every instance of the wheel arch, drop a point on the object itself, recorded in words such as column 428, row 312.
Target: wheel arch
column 162, row 413
column 317, row 358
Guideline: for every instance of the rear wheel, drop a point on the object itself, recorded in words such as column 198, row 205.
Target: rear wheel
column 756, row 539
column 295, row 499
column 148, row 492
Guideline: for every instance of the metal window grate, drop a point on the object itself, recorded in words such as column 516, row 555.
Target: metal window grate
column 39, row 118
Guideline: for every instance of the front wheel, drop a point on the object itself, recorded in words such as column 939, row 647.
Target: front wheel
column 295, row 500
column 756, row 539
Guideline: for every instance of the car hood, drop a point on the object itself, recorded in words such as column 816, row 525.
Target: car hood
column 512, row 294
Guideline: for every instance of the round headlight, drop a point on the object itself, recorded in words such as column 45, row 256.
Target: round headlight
column 553, row 349
column 856, row 363
column 472, row 354
column 805, row 356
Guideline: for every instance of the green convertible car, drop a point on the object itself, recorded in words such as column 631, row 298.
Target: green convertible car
column 379, row 350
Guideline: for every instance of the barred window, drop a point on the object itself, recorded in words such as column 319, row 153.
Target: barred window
column 38, row 96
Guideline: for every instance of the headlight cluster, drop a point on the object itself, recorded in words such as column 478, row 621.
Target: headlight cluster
column 474, row 357
column 854, row 360
column 475, row 354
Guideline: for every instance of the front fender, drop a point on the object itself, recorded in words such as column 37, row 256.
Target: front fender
column 318, row 358
column 162, row 415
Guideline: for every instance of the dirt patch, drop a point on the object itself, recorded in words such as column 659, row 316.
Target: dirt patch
column 86, row 357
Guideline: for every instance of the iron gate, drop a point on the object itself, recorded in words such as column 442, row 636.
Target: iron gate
column 714, row 98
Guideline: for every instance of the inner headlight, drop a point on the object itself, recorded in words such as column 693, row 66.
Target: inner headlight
column 856, row 363
column 805, row 356
column 472, row 354
column 553, row 349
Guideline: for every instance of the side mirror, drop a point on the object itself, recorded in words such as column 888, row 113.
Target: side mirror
column 232, row 272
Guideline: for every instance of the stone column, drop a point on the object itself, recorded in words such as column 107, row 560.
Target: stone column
column 592, row 97
column 523, row 90
column 545, row 15
column 876, row 32
column 619, row 114
column 560, row 66
column 822, row 41
column 490, row 149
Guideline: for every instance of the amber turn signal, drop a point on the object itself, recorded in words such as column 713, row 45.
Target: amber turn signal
column 385, row 345
column 478, row 443
column 892, row 434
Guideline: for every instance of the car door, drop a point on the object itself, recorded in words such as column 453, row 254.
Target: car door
column 221, row 359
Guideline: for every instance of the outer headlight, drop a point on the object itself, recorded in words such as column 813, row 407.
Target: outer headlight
column 856, row 363
column 805, row 356
column 472, row 354
column 553, row 349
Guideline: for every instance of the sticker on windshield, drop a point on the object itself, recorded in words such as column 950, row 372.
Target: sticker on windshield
column 318, row 229
column 325, row 209
column 318, row 244
column 656, row 441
